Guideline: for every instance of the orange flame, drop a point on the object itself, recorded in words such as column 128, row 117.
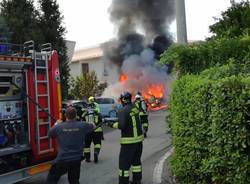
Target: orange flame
column 152, row 93
column 123, row 78
column 154, row 90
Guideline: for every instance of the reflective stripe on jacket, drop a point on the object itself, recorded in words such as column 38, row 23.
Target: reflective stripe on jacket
column 141, row 105
column 94, row 118
column 130, row 125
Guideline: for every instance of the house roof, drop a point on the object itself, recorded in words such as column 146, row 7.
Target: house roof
column 87, row 53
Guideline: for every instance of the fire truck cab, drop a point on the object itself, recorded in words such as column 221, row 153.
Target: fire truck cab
column 30, row 103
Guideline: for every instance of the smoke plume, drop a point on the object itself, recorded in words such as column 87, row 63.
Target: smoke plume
column 142, row 35
column 153, row 16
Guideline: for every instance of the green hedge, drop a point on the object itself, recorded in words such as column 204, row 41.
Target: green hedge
column 194, row 58
column 210, row 121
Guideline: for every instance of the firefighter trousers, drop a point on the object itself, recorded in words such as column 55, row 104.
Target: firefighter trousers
column 58, row 169
column 145, row 123
column 130, row 158
column 96, row 138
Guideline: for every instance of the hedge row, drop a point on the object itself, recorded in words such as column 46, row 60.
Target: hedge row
column 194, row 58
column 210, row 121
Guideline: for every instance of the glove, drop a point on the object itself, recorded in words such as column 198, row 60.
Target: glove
column 110, row 124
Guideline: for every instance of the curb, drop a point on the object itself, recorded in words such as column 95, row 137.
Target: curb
column 157, row 175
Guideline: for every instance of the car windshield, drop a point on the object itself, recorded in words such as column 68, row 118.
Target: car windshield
column 105, row 100
column 82, row 104
column 74, row 103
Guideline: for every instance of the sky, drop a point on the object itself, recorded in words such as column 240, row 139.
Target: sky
column 87, row 21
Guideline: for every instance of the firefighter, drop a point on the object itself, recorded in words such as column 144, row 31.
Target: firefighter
column 142, row 106
column 92, row 115
column 131, row 140
column 70, row 136
column 93, row 104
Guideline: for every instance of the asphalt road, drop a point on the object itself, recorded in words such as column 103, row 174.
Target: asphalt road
column 106, row 171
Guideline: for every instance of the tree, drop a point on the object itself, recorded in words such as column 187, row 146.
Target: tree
column 235, row 21
column 21, row 18
column 4, row 30
column 25, row 23
column 84, row 86
column 53, row 31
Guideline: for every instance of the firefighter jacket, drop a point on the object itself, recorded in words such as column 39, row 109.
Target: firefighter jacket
column 130, row 125
column 142, row 106
column 92, row 115
column 95, row 106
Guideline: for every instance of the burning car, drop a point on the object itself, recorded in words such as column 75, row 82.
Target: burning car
column 153, row 102
column 152, row 93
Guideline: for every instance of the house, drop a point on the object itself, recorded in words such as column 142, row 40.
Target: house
column 88, row 60
column 70, row 45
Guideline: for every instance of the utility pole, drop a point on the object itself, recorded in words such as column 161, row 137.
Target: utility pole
column 181, row 21
column 232, row 1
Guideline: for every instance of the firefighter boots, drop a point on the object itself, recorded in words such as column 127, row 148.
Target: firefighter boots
column 96, row 157
column 87, row 157
column 135, row 182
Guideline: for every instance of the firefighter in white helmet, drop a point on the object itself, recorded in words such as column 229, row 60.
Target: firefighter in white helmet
column 142, row 106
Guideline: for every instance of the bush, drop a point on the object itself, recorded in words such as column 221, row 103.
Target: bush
column 194, row 58
column 210, row 121
column 232, row 68
column 84, row 86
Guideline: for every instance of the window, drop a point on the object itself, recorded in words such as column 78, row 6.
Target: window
column 104, row 100
column 85, row 68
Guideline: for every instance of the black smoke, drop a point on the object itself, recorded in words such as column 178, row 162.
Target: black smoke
column 149, row 17
column 142, row 36
column 153, row 16
column 118, row 50
column 160, row 44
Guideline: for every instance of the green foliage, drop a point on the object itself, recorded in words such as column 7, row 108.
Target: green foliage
column 25, row 23
column 231, row 41
column 194, row 58
column 235, row 21
column 232, row 68
column 21, row 19
column 210, row 112
column 53, row 31
column 84, row 86
column 4, row 30
column 210, row 116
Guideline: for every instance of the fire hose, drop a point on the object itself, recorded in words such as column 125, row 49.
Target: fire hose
column 105, row 120
column 33, row 101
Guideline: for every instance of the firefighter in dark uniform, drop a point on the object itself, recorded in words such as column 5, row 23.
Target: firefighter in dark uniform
column 142, row 106
column 131, row 140
column 70, row 136
column 92, row 115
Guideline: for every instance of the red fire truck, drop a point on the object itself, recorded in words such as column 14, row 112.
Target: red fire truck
column 30, row 103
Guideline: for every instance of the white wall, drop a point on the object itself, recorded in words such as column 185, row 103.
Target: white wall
column 96, row 65
column 75, row 69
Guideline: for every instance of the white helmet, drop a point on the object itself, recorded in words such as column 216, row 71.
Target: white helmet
column 137, row 96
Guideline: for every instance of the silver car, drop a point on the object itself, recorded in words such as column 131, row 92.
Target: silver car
column 108, row 106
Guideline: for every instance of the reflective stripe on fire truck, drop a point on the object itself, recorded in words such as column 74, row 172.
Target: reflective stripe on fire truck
column 59, row 100
column 21, row 174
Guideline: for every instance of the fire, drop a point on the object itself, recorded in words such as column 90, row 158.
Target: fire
column 123, row 78
column 152, row 93
column 155, row 90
